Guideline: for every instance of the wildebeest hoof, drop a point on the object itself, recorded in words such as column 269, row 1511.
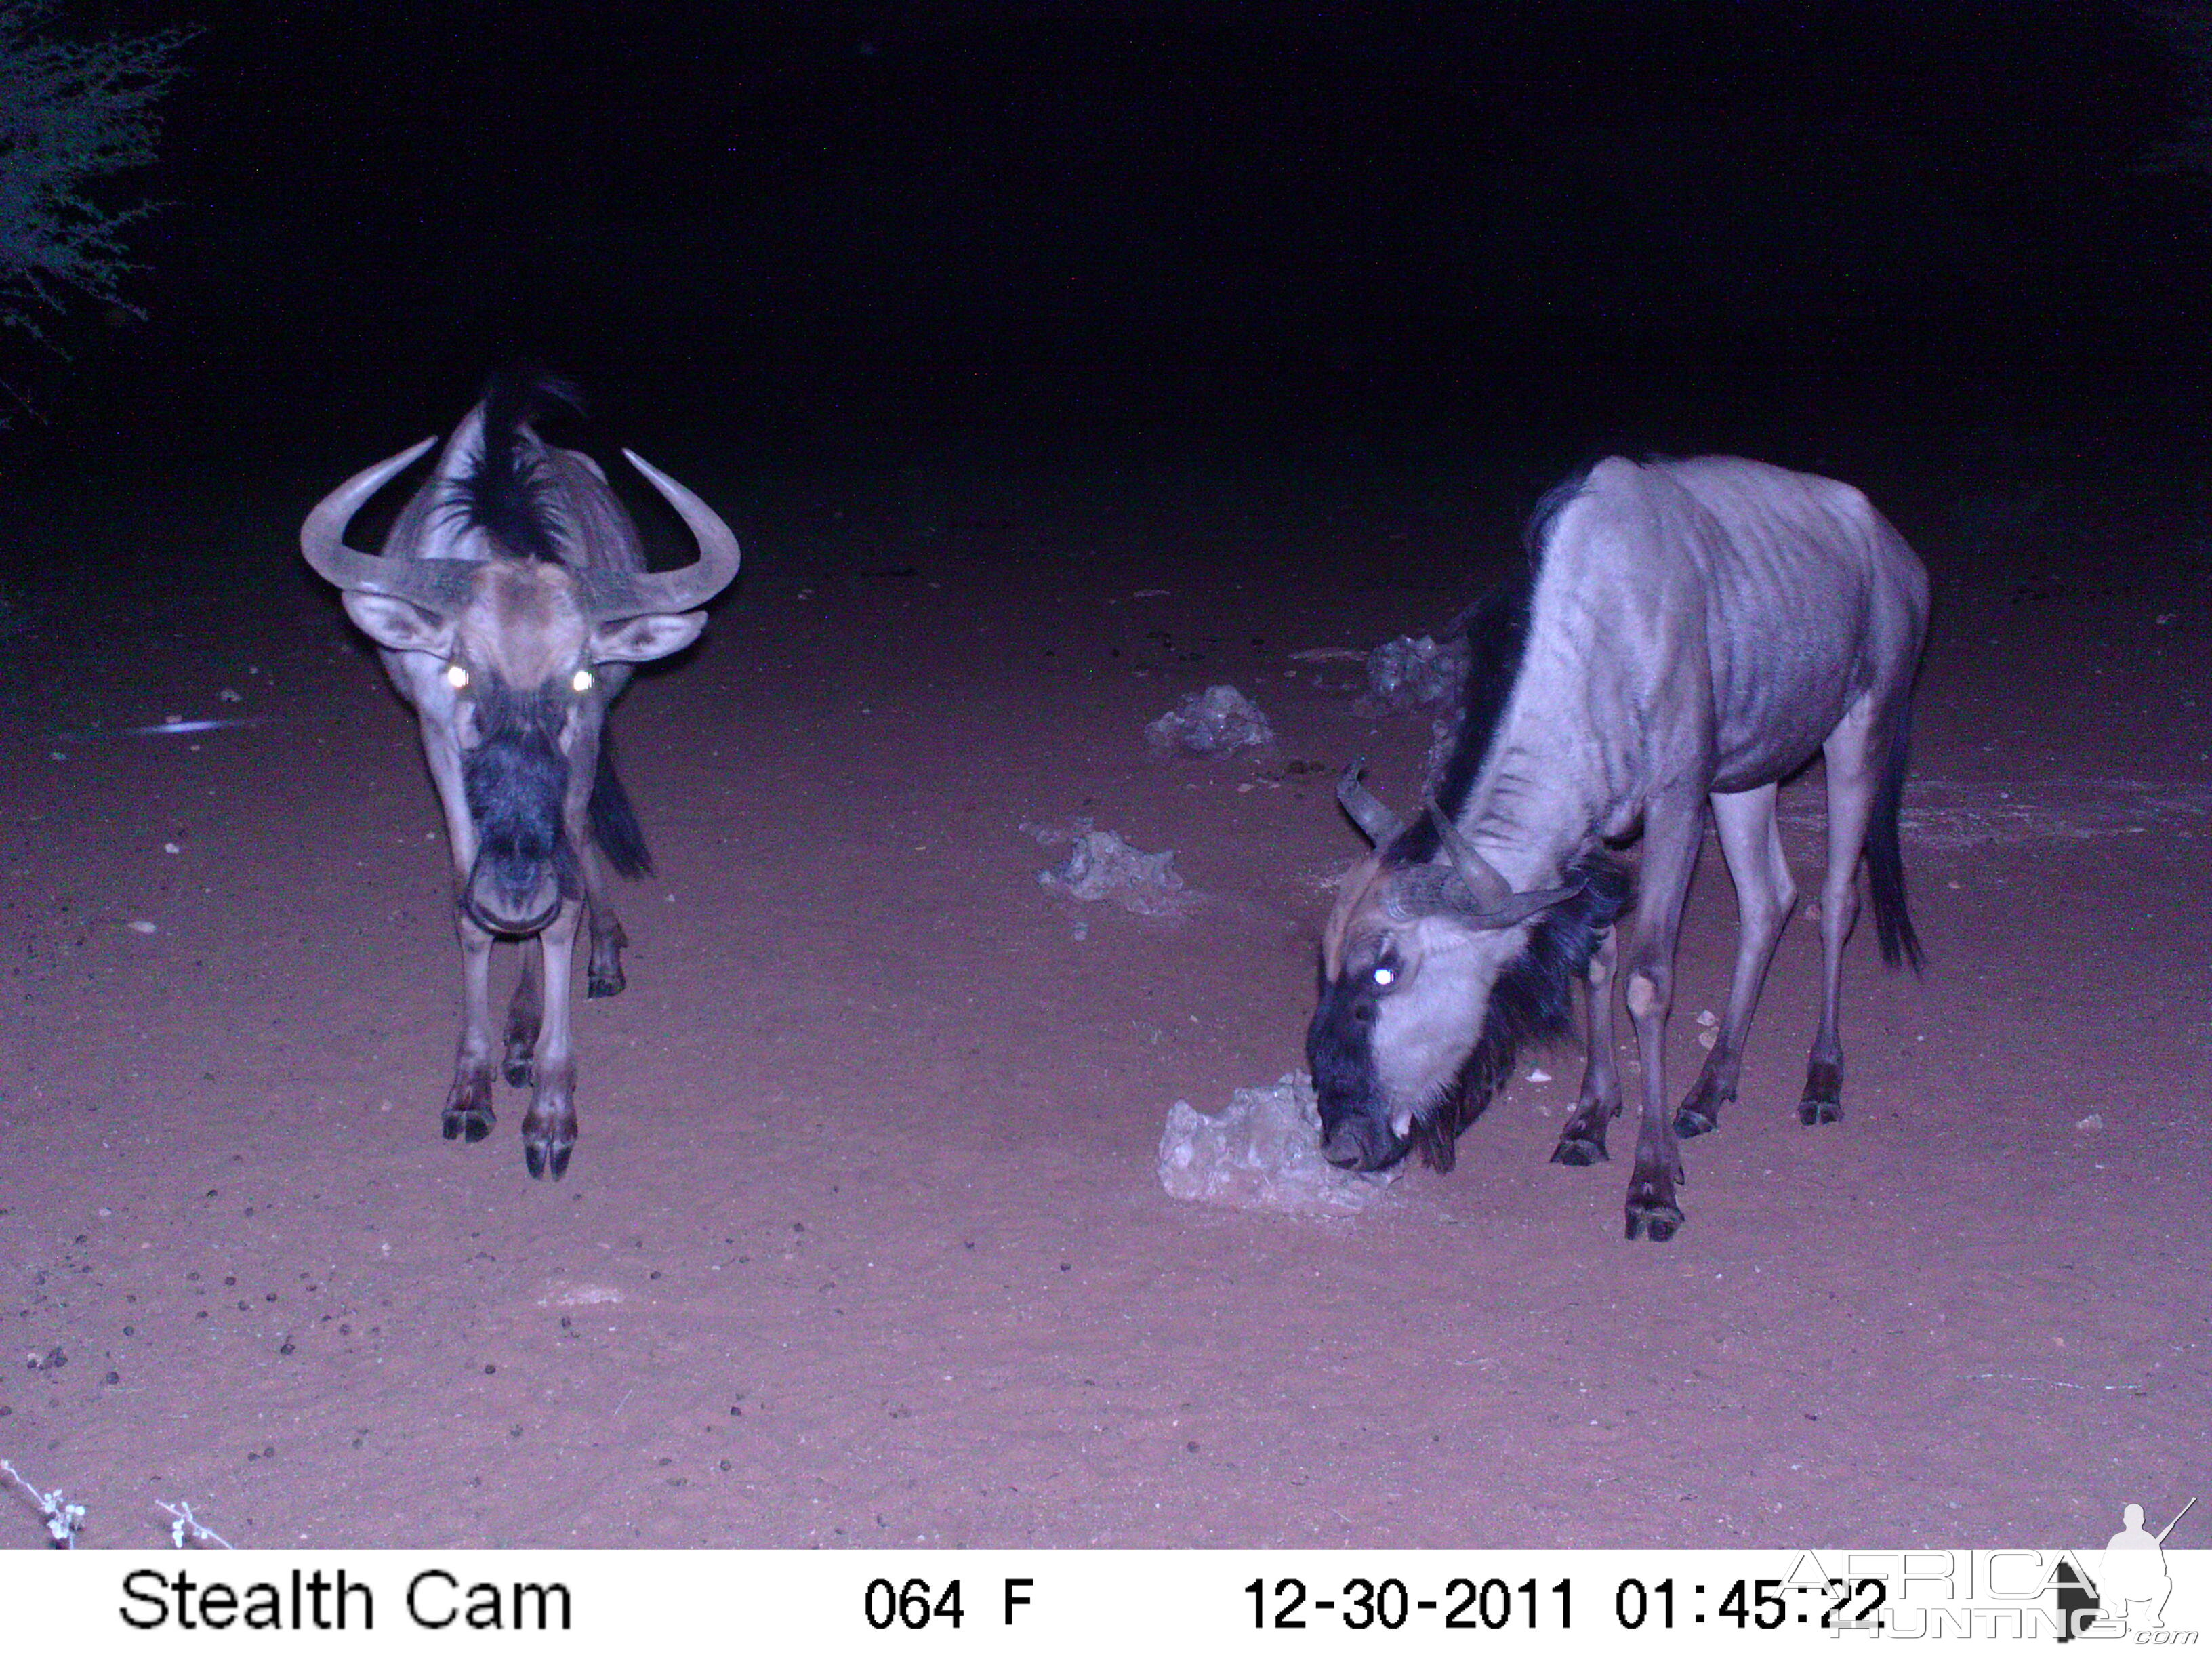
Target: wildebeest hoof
column 1810, row 1112
column 471, row 1123
column 1656, row 1221
column 540, row 1159
column 1694, row 1121
column 549, row 1128
column 468, row 1104
column 607, row 982
column 1651, row 1210
column 1579, row 1151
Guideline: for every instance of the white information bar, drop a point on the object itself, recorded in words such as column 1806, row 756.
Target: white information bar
column 1041, row 1602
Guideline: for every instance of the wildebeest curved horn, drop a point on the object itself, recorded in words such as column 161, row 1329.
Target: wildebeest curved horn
column 1376, row 822
column 440, row 585
column 1492, row 902
column 612, row 595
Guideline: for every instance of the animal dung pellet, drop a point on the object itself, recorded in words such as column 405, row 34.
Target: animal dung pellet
column 1262, row 1153
column 1217, row 721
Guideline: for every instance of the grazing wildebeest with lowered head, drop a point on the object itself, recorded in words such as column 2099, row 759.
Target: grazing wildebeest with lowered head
column 1685, row 632
column 509, row 601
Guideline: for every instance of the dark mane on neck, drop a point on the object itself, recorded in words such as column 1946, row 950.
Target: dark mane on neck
column 1496, row 629
column 1532, row 999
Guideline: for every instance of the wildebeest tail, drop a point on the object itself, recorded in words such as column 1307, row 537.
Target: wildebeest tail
column 500, row 493
column 614, row 821
column 1885, row 856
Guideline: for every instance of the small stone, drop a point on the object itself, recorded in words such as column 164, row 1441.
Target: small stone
column 2090, row 1124
column 145, row 927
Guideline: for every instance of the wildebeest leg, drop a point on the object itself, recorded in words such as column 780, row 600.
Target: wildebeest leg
column 468, row 1112
column 549, row 1129
column 1675, row 824
column 1764, row 894
column 468, row 1104
column 522, row 1015
column 1581, row 1142
column 603, row 970
column 1851, row 779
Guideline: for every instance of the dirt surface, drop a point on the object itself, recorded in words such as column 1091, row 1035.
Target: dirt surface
column 863, row 1242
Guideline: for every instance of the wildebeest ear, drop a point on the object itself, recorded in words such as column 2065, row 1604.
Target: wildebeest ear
column 398, row 626
column 646, row 639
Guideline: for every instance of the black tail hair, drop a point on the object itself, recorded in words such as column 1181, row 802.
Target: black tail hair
column 1885, row 857
column 614, row 823
column 499, row 495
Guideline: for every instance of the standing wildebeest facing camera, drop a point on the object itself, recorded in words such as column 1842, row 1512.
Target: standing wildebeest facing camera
column 510, row 600
column 1685, row 632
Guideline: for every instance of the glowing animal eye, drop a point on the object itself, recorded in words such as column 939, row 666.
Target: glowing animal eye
column 456, row 676
column 580, row 680
column 1386, row 976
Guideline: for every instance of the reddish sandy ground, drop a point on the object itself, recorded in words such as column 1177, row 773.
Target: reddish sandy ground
column 863, row 1242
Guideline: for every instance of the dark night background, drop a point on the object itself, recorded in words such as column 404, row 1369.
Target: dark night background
column 1226, row 229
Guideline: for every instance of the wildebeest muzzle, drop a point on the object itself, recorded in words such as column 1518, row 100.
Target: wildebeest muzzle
column 1355, row 1126
column 517, row 782
column 1356, row 1137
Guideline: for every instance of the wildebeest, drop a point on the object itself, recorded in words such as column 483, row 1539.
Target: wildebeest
column 1685, row 632
column 510, row 600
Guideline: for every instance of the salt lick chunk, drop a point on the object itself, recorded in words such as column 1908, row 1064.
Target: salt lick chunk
column 1263, row 1153
column 1101, row 866
column 1420, row 676
column 1408, row 676
column 1219, row 721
